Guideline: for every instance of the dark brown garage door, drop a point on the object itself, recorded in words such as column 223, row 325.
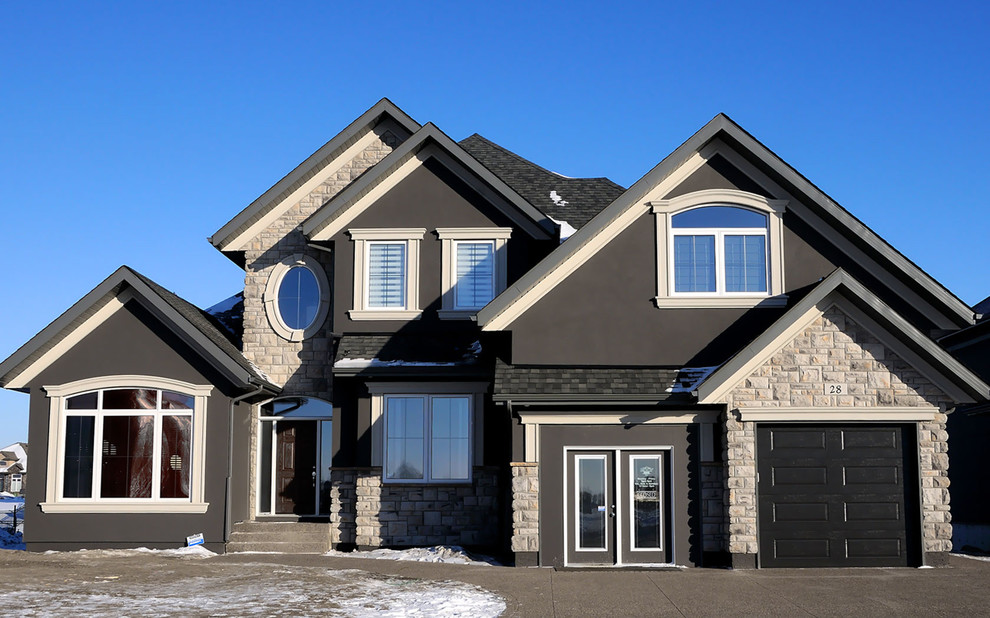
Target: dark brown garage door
column 837, row 495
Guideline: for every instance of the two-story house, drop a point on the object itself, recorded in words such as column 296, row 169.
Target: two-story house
column 441, row 342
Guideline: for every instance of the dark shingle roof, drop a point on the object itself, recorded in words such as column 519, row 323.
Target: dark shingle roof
column 572, row 382
column 207, row 325
column 983, row 307
column 455, row 349
column 580, row 198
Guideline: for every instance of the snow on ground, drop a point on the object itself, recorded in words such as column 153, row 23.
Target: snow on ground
column 448, row 554
column 196, row 551
column 9, row 540
column 250, row 589
column 972, row 557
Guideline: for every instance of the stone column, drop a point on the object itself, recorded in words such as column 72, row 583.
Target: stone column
column 525, row 513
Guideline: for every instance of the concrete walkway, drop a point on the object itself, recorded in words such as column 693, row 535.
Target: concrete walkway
column 961, row 589
column 68, row 584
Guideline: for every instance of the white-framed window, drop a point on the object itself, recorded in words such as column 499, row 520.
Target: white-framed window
column 297, row 297
column 474, row 268
column 126, row 444
column 386, row 274
column 426, row 433
column 719, row 248
column 15, row 483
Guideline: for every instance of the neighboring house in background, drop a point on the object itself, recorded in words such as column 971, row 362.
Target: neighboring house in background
column 969, row 434
column 441, row 342
column 13, row 468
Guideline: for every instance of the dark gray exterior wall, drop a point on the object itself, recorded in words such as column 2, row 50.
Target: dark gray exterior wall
column 604, row 314
column 685, row 491
column 131, row 342
column 430, row 197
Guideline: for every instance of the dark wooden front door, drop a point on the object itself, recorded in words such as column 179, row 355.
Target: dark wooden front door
column 838, row 495
column 295, row 467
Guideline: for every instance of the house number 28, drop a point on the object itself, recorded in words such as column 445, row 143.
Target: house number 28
column 832, row 388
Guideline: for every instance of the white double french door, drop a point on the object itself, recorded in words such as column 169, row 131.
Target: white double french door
column 617, row 510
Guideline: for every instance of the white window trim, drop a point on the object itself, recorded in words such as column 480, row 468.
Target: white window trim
column 361, row 237
column 474, row 390
column 663, row 210
column 271, row 297
column 449, row 236
column 55, row 503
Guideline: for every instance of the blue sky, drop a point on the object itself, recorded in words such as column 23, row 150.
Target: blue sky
column 131, row 132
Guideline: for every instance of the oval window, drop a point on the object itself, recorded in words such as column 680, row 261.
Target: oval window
column 298, row 298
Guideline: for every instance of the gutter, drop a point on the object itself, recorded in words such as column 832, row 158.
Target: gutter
column 227, row 523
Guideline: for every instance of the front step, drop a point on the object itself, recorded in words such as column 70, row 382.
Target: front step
column 279, row 536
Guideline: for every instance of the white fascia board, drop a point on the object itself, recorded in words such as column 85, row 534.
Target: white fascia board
column 227, row 237
column 428, row 142
column 603, row 227
column 854, row 225
column 948, row 373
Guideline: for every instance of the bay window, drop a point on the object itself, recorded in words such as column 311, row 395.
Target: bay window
column 129, row 448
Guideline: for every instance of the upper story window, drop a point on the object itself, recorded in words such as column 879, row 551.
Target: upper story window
column 135, row 445
column 473, row 268
column 297, row 297
column 386, row 273
column 719, row 248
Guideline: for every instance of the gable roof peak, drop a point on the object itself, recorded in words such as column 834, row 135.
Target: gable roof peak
column 231, row 237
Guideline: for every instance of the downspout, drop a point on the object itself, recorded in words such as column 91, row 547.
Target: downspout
column 227, row 516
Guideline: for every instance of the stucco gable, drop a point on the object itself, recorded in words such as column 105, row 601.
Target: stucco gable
column 835, row 362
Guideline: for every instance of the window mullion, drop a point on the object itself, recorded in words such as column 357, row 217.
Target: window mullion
column 98, row 451
column 156, row 456
column 428, row 439
column 719, row 262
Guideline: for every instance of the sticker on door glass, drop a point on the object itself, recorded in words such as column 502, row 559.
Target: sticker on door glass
column 647, row 485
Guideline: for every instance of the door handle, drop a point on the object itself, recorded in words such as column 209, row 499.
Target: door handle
column 612, row 512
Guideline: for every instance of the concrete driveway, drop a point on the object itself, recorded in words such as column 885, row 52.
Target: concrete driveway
column 279, row 584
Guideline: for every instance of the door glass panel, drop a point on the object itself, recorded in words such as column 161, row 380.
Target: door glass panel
column 265, row 468
column 591, row 503
column 326, row 444
column 647, row 523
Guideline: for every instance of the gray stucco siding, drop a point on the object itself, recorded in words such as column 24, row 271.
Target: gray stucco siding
column 430, row 197
column 131, row 342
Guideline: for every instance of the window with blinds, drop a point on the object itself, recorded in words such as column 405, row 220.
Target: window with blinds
column 386, row 275
column 474, row 268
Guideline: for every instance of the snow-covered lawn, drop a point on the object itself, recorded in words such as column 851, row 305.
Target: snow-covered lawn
column 194, row 581
column 450, row 555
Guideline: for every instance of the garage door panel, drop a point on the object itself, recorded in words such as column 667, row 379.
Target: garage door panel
column 872, row 439
column 799, row 475
column 886, row 474
column 783, row 439
column 847, row 505
column 800, row 512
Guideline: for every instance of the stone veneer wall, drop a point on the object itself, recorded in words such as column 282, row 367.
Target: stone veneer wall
column 834, row 349
column 299, row 367
column 712, row 508
column 368, row 513
column 525, row 507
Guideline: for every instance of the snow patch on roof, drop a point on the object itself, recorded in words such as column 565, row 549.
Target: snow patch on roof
column 690, row 378
column 226, row 305
column 365, row 363
column 566, row 229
